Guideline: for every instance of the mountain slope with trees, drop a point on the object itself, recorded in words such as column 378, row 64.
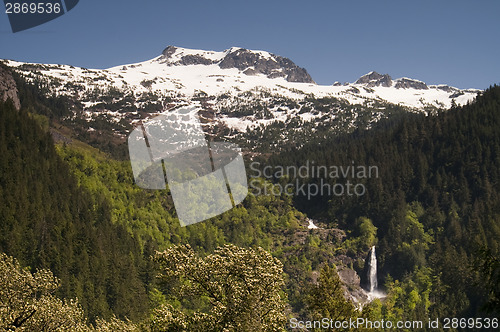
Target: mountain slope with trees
column 48, row 221
column 435, row 204
column 433, row 214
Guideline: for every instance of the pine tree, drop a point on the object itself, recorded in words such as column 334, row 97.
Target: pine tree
column 326, row 298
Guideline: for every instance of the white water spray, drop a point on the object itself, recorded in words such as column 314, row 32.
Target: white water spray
column 372, row 271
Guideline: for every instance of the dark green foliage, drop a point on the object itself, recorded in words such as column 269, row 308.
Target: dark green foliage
column 326, row 298
column 435, row 202
column 48, row 221
column 488, row 265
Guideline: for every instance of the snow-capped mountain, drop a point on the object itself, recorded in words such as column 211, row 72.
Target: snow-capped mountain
column 239, row 89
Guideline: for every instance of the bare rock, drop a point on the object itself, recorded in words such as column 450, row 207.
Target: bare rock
column 408, row 83
column 8, row 88
column 375, row 79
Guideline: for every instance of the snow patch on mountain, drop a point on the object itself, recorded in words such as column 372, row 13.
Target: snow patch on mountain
column 243, row 89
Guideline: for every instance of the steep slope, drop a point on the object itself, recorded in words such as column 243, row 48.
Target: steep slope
column 47, row 220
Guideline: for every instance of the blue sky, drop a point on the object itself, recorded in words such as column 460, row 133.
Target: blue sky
column 454, row 42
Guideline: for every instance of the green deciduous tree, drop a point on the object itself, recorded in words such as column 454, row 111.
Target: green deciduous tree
column 27, row 302
column 243, row 289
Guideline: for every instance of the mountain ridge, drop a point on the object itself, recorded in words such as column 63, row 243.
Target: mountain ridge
column 188, row 71
column 239, row 92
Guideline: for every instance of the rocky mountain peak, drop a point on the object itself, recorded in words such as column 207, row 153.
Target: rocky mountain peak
column 375, row 79
column 409, row 83
column 249, row 62
column 260, row 62
column 168, row 51
column 177, row 56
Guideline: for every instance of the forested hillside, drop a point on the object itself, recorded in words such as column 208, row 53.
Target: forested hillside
column 76, row 211
column 433, row 213
column 435, row 204
column 48, row 221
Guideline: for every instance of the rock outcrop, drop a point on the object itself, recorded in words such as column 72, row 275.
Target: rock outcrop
column 408, row 83
column 8, row 88
column 373, row 79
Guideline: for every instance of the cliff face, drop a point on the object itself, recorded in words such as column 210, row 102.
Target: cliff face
column 8, row 89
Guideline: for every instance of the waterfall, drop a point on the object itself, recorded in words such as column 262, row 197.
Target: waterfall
column 372, row 271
